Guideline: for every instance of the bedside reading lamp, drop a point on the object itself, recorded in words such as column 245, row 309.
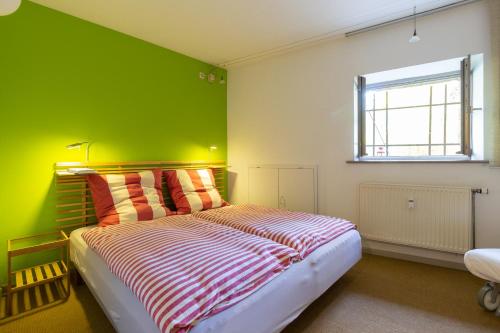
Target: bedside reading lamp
column 78, row 145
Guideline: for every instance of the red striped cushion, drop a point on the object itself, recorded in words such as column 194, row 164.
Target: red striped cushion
column 130, row 197
column 193, row 190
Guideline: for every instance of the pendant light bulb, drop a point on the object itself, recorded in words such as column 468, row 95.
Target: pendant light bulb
column 414, row 38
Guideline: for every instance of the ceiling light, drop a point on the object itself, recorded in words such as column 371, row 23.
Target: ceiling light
column 8, row 7
column 415, row 38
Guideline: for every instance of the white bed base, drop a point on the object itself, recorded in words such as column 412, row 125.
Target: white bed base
column 269, row 309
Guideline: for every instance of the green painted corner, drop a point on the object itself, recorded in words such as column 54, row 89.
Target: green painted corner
column 62, row 80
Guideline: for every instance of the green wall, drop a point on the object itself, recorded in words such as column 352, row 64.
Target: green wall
column 62, row 80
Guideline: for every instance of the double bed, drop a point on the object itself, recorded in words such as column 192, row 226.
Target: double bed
column 267, row 310
column 216, row 268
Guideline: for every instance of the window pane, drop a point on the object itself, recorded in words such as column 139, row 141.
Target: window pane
column 438, row 93
column 380, row 128
column 369, row 128
column 453, row 91
column 453, row 124
column 369, row 150
column 398, row 151
column 452, row 150
column 437, row 134
column 409, row 126
column 380, row 151
column 437, row 150
column 422, row 120
column 369, row 100
column 409, row 96
column 380, row 99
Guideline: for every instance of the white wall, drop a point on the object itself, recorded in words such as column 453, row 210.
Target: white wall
column 298, row 108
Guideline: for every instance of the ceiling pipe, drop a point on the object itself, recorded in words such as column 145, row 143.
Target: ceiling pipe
column 328, row 36
column 409, row 17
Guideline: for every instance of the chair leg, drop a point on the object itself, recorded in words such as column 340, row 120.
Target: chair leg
column 8, row 304
column 68, row 285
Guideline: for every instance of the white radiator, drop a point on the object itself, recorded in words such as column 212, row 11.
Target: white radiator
column 432, row 217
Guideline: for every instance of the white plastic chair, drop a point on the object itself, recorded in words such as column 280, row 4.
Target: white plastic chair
column 485, row 264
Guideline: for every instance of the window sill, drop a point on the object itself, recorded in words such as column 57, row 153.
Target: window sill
column 418, row 161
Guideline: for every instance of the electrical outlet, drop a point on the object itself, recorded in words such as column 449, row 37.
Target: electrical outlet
column 202, row 76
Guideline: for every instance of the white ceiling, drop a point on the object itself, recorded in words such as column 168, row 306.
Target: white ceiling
column 221, row 31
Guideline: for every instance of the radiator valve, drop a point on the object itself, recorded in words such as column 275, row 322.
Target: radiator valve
column 482, row 190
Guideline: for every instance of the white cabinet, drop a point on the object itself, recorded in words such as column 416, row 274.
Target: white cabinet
column 297, row 189
column 288, row 187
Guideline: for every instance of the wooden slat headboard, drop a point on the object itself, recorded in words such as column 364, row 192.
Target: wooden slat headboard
column 74, row 201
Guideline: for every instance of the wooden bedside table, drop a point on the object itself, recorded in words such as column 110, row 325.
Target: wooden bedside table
column 54, row 271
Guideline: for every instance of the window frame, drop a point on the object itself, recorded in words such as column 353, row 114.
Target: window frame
column 465, row 141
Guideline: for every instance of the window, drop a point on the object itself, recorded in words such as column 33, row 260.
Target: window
column 416, row 119
column 419, row 112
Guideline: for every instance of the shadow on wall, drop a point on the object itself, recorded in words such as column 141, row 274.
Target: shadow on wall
column 232, row 178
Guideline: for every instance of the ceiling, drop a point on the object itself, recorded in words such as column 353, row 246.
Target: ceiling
column 223, row 31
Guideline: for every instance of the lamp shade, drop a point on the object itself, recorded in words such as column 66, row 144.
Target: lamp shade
column 415, row 38
column 8, row 7
column 77, row 145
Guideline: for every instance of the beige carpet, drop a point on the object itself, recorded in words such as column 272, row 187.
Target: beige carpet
column 388, row 295
column 378, row 295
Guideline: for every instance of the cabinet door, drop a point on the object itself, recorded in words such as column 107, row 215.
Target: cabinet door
column 263, row 186
column 297, row 189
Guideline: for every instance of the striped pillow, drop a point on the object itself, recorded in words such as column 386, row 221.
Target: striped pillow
column 193, row 190
column 129, row 197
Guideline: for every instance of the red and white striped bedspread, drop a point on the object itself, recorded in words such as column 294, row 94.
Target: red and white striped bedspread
column 183, row 269
column 303, row 232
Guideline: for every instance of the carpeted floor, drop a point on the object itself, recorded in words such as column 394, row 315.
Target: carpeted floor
column 382, row 295
column 377, row 295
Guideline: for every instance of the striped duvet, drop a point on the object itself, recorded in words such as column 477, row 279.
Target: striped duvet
column 183, row 269
column 303, row 232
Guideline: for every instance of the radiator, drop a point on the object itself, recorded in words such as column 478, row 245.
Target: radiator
column 432, row 217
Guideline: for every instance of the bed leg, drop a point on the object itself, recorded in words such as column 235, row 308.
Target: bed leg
column 77, row 278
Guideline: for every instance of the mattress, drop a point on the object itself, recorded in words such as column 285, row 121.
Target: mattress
column 269, row 309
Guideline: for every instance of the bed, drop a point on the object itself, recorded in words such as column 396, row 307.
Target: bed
column 269, row 309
